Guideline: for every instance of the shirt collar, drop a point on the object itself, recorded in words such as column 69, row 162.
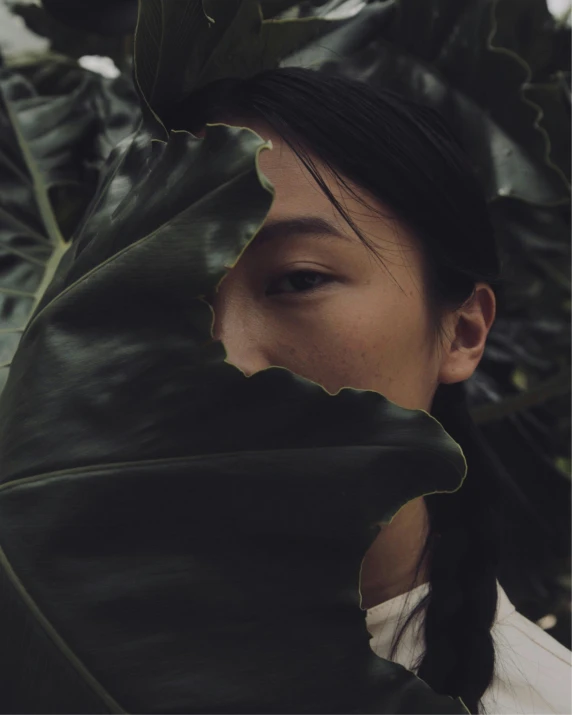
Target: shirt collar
column 389, row 611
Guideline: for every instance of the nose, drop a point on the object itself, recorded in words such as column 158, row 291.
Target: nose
column 241, row 351
column 236, row 328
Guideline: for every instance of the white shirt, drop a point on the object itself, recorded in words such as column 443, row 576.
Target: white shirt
column 533, row 672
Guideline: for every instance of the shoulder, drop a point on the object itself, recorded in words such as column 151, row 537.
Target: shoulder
column 533, row 673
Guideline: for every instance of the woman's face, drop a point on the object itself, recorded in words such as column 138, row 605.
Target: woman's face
column 357, row 327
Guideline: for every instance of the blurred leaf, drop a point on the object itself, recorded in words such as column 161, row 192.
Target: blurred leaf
column 530, row 30
column 31, row 243
column 558, row 385
column 555, row 120
column 107, row 17
column 565, row 464
column 232, row 40
column 59, row 123
column 88, row 37
column 445, row 54
column 272, row 8
column 109, row 109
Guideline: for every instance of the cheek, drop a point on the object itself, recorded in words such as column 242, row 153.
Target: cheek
column 379, row 350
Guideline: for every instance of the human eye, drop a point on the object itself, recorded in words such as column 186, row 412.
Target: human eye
column 296, row 282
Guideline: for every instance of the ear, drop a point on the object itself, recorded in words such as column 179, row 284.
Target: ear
column 469, row 327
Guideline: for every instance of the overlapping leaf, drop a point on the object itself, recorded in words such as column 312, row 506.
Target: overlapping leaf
column 445, row 54
column 230, row 39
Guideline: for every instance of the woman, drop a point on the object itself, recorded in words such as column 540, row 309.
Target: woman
column 377, row 269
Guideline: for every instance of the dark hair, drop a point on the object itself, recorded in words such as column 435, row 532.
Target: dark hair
column 402, row 153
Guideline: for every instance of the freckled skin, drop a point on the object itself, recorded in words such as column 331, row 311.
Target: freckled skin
column 364, row 329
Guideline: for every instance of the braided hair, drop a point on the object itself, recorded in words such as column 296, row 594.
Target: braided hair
column 462, row 551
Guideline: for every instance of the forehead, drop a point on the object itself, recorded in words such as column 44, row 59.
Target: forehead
column 296, row 189
column 298, row 194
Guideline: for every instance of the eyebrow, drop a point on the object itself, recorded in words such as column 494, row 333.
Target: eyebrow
column 315, row 226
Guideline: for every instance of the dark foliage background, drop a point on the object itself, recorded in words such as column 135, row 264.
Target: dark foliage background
column 499, row 71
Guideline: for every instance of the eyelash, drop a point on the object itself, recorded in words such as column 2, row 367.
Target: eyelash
column 327, row 279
